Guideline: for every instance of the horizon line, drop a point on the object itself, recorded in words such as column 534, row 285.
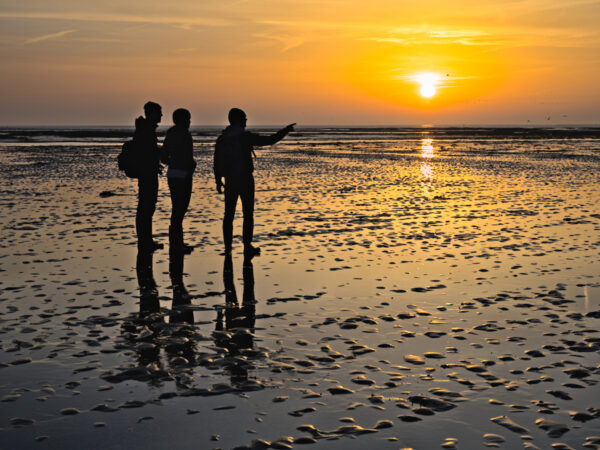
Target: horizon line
column 383, row 125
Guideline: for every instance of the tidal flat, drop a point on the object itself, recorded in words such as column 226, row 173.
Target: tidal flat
column 412, row 292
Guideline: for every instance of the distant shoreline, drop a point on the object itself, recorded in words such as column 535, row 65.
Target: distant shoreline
column 542, row 125
column 116, row 134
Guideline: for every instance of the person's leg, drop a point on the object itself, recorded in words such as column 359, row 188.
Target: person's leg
column 185, row 204
column 140, row 213
column 143, row 269
column 175, row 228
column 151, row 208
column 147, row 196
column 188, row 193
column 231, row 196
column 247, row 195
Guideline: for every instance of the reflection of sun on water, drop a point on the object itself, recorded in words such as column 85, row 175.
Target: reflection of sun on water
column 427, row 154
column 427, row 148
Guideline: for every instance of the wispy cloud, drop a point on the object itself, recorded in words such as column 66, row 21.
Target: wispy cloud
column 47, row 37
column 186, row 22
column 510, row 37
column 435, row 79
column 288, row 41
column 435, row 35
column 412, row 40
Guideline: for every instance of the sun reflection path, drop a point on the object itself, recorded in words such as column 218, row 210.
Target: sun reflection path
column 427, row 154
column 427, row 148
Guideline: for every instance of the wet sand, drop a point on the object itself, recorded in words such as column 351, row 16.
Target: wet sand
column 410, row 294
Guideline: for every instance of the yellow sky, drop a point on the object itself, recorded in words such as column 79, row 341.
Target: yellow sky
column 312, row 62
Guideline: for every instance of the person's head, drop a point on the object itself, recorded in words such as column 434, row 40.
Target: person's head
column 182, row 117
column 153, row 112
column 237, row 117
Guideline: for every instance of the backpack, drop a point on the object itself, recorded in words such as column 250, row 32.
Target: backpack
column 129, row 160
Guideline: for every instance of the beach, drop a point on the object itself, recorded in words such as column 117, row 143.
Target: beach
column 416, row 289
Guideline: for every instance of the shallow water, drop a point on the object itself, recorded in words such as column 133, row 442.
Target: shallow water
column 478, row 256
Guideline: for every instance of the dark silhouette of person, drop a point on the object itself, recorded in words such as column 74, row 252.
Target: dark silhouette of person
column 233, row 162
column 239, row 320
column 178, row 154
column 149, row 168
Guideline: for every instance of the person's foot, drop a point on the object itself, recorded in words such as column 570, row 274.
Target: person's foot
column 180, row 291
column 187, row 249
column 251, row 251
column 227, row 251
column 156, row 246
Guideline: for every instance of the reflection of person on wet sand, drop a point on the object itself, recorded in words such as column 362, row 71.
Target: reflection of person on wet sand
column 239, row 321
column 148, row 332
column 181, row 351
column 180, row 313
column 149, row 314
column 233, row 161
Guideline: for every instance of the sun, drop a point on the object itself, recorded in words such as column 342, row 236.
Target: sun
column 429, row 83
column 427, row 90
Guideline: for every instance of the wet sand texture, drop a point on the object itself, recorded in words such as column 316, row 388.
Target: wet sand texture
column 410, row 294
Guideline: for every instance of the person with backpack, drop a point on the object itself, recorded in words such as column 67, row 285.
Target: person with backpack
column 233, row 162
column 178, row 154
column 148, row 167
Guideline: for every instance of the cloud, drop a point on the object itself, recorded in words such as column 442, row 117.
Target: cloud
column 505, row 37
column 186, row 22
column 288, row 42
column 434, row 35
column 435, row 79
column 47, row 37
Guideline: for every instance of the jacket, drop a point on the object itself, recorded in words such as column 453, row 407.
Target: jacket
column 234, row 149
column 178, row 149
column 147, row 144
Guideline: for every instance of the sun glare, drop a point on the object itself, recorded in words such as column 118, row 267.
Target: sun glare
column 429, row 83
column 427, row 90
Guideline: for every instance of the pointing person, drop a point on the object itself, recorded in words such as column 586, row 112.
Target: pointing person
column 233, row 163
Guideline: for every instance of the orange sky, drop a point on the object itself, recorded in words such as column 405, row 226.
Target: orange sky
column 83, row 62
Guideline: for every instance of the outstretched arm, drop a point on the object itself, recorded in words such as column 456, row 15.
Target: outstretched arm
column 258, row 140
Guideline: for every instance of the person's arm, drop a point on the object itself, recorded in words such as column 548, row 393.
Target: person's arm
column 218, row 165
column 164, row 152
column 258, row 140
column 190, row 151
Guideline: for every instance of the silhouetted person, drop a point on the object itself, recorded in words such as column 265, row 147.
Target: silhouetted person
column 149, row 168
column 233, row 161
column 178, row 153
column 239, row 320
